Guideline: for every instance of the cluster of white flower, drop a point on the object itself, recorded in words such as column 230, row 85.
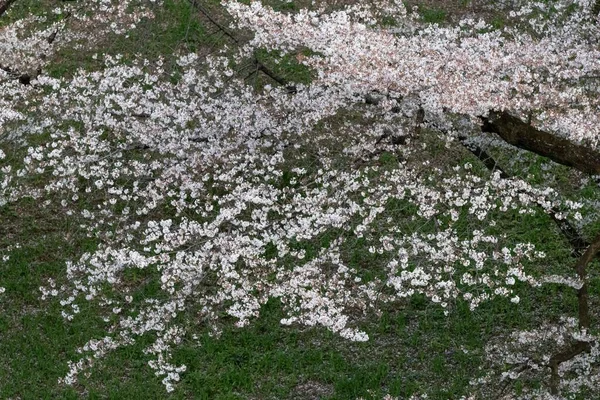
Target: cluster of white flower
column 550, row 73
column 143, row 151
column 225, row 197
column 98, row 348
column 525, row 357
column 28, row 44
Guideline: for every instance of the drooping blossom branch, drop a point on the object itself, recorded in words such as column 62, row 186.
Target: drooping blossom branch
column 225, row 197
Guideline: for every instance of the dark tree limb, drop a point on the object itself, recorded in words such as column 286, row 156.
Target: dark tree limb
column 557, row 359
column 259, row 65
column 581, row 266
column 484, row 157
column 24, row 78
column 518, row 133
column 265, row 70
column 583, row 314
column 4, row 5
column 216, row 23
column 419, row 120
column 521, row 134
column 280, row 80
column 578, row 243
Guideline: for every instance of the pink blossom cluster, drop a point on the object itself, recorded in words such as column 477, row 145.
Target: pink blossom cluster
column 226, row 197
column 524, row 356
column 549, row 71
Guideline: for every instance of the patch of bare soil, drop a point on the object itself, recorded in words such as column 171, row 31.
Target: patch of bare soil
column 312, row 390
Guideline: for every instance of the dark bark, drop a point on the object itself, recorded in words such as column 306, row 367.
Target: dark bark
column 557, row 359
column 265, row 70
column 581, row 268
column 521, row 134
column 518, row 133
column 578, row 243
column 23, row 78
column 4, row 5
column 222, row 28
column 485, row 158
column 419, row 120
column 583, row 314
column 259, row 65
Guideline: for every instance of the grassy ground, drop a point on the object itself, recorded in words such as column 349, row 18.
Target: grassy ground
column 414, row 348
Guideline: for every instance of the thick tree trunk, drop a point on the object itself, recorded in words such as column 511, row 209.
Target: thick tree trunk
column 560, row 150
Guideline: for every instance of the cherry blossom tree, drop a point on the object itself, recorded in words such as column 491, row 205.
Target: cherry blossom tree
column 228, row 195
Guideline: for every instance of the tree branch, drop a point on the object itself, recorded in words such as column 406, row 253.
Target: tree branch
column 578, row 243
column 583, row 313
column 518, row 133
column 204, row 12
column 5, row 5
column 582, row 294
column 259, row 65
column 557, row 359
column 24, row 78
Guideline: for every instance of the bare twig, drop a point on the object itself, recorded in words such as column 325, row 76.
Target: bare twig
column 222, row 28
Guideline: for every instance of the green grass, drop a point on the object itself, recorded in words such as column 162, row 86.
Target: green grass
column 177, row 29
column 414, row 347
column 410, row 349
column 433, row 15
column 20, row 9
